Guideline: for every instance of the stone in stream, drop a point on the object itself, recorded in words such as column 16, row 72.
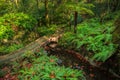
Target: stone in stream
column 76, row 67
column 59, row 62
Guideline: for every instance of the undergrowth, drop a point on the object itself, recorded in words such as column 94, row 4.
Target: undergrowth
column 94, row 36
column 10, row 48
column 13, row 28
column 38, row 66
column 11, row 23
column 43, row 30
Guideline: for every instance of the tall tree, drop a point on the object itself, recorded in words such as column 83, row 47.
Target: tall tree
column 46, row 12
column 16, row 2
column 75, row 21
column 78, row 7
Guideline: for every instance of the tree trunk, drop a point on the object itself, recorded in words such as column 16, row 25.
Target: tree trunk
column 38, row 19
column 75, row 21
column 37, row 2
column 88, row 1
column 46, row 13
column 16, row 2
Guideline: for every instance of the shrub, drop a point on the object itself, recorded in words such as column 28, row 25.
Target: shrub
column 43, row 30
column 46, row 68
column 94, row 37
column 13, row 22
column 21, row 20
column 5, row 7
column 6, row 32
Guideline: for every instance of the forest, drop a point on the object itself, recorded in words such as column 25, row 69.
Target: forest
column 59, row 39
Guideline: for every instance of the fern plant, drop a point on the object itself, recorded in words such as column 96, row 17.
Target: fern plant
column 94, row 37
column 80, row 6
column 6, row 32
column 21, row 20
column 45, row 68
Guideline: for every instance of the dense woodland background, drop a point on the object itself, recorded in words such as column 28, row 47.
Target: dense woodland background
column 90, row 27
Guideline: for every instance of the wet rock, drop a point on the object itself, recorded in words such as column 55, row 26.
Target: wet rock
column 59, row 62
column 76, row 67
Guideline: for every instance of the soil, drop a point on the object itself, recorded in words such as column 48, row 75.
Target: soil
column 69, row 58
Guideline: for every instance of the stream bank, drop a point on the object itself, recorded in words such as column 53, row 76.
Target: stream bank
column 75, row 60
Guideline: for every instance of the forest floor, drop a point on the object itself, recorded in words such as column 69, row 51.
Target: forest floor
column 68, row 58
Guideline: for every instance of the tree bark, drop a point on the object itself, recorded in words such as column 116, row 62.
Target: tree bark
column 38, row 19
column 75, row 21
column 46, row 13
column 16, row 2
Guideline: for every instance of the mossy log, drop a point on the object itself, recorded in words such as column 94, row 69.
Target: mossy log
column 32, row 47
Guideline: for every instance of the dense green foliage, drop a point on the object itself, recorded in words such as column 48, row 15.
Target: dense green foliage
column 6, row 32
column 10, row 23
column 21, row 20
column 13, row 26
column 46, row 31
column 94, row 36
column 91, row 27
column 5, row 7
column 44, row 67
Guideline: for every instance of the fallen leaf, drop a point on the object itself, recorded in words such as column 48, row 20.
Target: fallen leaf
column 51, row 60
column 52, row 75
column 92, row 75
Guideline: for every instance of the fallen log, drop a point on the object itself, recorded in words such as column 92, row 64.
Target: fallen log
column 17, row 54
column 32, row 47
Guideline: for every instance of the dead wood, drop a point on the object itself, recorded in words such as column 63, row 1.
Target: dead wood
column 32, row 47
column 85, row 60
